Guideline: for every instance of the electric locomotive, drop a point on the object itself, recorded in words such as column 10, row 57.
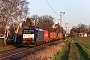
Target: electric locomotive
column 32, row 36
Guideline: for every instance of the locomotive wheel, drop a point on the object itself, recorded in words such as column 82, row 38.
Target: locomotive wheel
column 35, row 44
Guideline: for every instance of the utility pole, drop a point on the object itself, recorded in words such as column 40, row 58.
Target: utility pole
column 61, row 13
column 67, row 29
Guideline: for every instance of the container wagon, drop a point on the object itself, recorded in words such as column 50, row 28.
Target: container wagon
column 53, row 36
column 60, row 36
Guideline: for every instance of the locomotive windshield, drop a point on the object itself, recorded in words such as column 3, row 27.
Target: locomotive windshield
column 28, row 31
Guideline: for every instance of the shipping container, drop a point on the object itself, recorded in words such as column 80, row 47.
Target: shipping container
column 60, row 35
column 53, row 36
column 46, row 36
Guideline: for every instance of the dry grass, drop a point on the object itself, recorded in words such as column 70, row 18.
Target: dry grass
column 46, row 54
column 5, row 47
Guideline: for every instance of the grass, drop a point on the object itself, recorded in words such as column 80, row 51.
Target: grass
column 74, row 53
column 1, row 43
column 5, row 47
column 83, row 46
column 87, row 51
column 82, row 38
column 1, row 40
column 82, row 52
column 46, row 54
column 63, row 55
column 8, row 47
column 86, row 44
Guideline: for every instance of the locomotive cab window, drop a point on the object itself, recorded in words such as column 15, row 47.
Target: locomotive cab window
column 28, row 31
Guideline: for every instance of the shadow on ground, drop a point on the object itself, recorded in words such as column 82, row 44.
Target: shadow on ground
column 18, row 42
column 83, row 54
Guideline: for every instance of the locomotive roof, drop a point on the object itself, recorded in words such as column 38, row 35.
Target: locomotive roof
column 33, row 29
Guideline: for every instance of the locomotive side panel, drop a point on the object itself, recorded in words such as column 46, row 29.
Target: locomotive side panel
column 40, row 37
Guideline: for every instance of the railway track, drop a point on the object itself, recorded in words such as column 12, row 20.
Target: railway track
column 18, row 53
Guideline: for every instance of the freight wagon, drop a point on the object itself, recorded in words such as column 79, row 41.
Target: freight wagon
column 55, row 36
column 60, row 35
column 52, row 36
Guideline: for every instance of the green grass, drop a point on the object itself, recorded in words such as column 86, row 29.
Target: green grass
column 82, row 38
column 1, row 40
column 74, row 53
column 63, row 55
column 84, row 53
column 77, row 50
column 86, row 47
column 86, row 44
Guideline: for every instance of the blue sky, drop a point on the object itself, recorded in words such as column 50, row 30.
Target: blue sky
column 76, row 11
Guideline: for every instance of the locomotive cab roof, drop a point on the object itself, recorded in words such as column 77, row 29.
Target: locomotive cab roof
column 33, row 29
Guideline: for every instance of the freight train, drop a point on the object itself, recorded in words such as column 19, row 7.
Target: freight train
column 37, row 36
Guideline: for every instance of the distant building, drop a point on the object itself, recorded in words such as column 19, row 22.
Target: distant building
column 82, row 35
column 88, row 35
column 85, row 35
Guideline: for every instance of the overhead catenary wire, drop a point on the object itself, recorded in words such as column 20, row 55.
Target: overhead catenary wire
column 55, row 11
column 52, row 8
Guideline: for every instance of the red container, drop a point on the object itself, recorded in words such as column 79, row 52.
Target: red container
column 60, row 36
column 52, row 35
column 46, row 38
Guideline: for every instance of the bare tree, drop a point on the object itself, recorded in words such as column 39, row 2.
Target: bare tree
column 74, row 31
column 12, row 12
column 27, row 23
column 73, row 34
column 82, row 28
column 46, row 22
column 88, row 29
column 35, row 20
